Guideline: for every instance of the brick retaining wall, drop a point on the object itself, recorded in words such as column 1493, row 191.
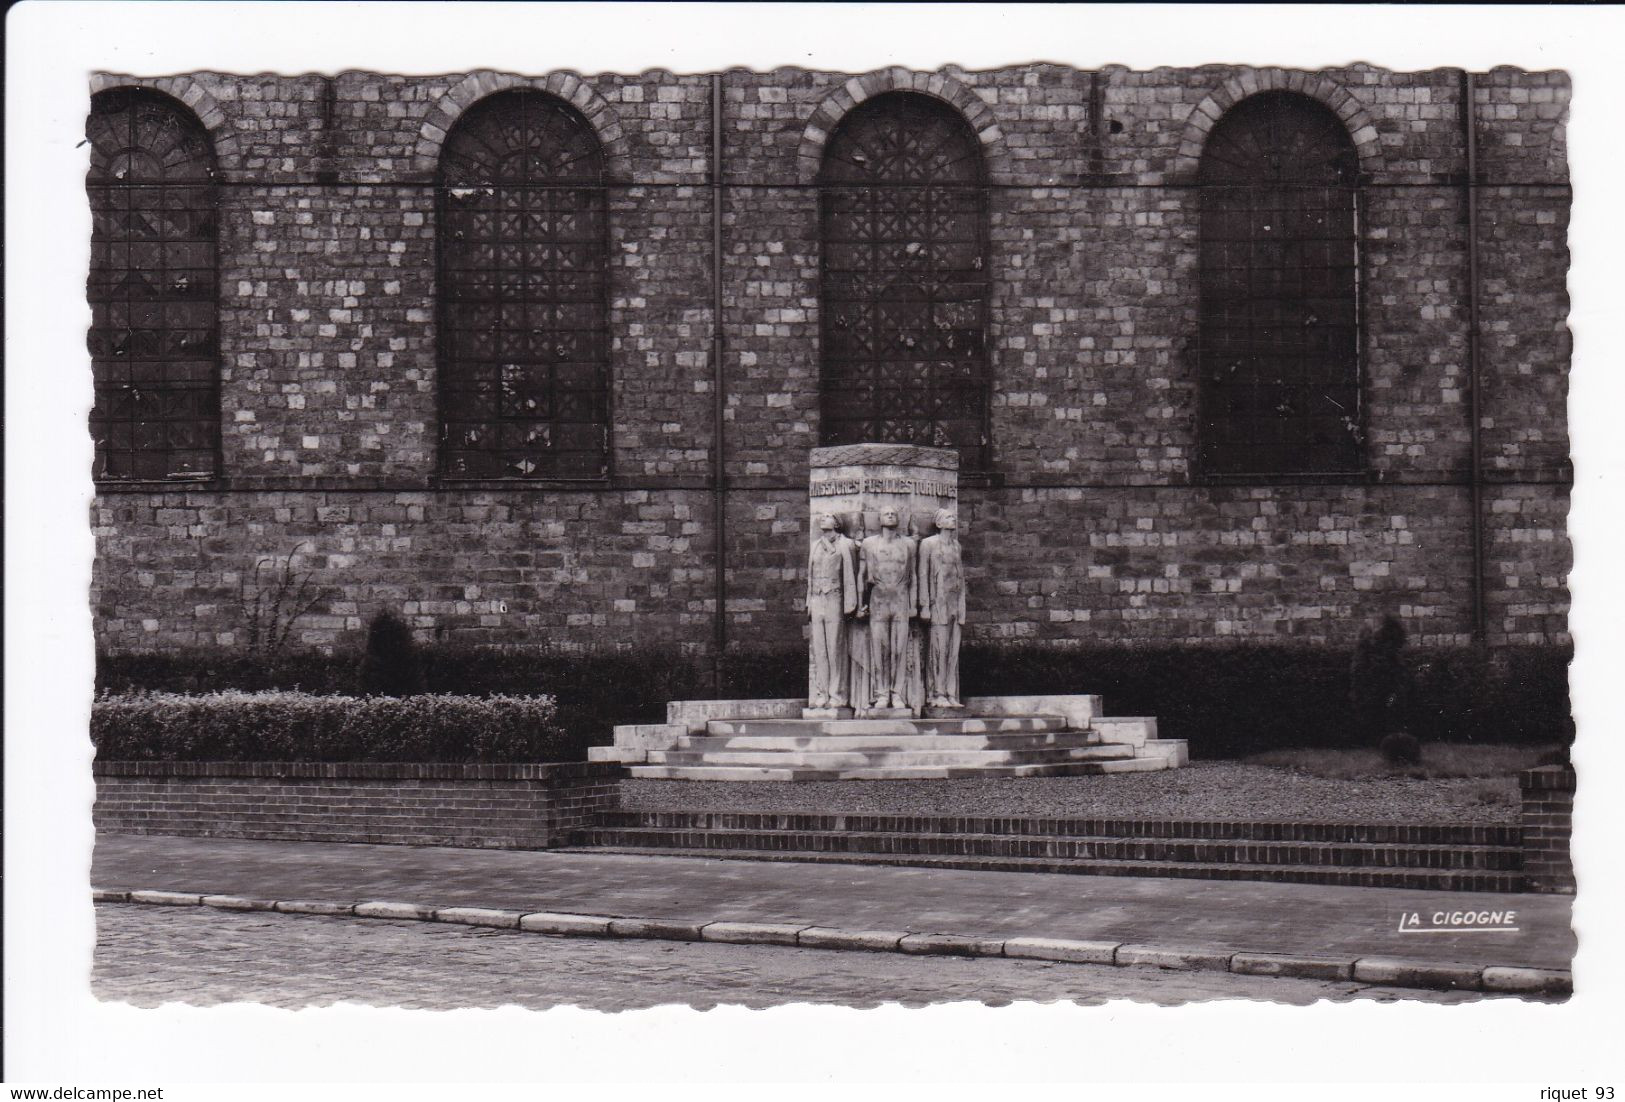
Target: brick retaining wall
column 1547, row 819
column 479, row 806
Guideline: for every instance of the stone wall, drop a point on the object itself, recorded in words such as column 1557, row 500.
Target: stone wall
column 1093, row 523
column 490, row 806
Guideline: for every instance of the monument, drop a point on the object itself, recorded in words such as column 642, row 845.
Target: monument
column 832, row 598
column 887, row 498
column 886, row 566
column 886, row 599
column 941, row 574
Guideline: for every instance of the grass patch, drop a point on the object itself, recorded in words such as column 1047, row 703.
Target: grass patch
column 1439, row 761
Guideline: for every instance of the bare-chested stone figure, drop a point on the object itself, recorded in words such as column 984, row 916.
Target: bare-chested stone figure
column 888, row 579
column 832, row 595
column 942, row 605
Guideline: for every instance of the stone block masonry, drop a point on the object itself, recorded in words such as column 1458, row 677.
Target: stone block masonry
column 1094, row 521
column 490, row 806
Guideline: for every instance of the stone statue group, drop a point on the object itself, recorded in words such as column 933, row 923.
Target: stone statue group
column 874, row 588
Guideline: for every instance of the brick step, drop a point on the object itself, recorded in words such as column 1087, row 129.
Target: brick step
column 1415, row 879
column 1266, row 830
column 888, row 772
column 1031, row 741
column 808, row 728
column 1181, row 851
column 888, row 757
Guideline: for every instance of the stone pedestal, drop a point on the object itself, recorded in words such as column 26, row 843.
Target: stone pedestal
column 827, row 713
column 855, row 483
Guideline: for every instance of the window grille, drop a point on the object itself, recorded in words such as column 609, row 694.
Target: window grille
column 903, row 210
column 524, row 364
column 1279, row 344
column 152, row 289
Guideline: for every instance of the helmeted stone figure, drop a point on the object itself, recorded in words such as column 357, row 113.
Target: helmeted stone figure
column 887, row 565
column 942, row 605
column 832, row 596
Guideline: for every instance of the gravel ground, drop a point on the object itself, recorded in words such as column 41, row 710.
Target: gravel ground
column 1201, row 790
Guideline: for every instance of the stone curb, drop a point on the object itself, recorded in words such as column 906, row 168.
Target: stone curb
column 480, row 916
column 1175, row 959
column 238, row 903
column 1303, row 968
column 564, row 925
column 872, row 941
column 1387, row 971
column 751, row 933
column 313, row 907
column 951, row 945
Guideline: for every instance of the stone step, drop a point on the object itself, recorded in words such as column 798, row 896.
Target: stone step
column 1176, row 750
column 1264, row 830
column 810, row 728
column 887, row 772
column 1180, row 850
column 1136, row 730
column 1077, row 708
column 1461, row 880
column 1133, row 764
column 888, row 757
column 1034, row 741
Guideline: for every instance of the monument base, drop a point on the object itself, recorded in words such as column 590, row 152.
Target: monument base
column 785, row 740
column 885, row 713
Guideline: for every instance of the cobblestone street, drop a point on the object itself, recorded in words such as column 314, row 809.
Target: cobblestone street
column 151, row 955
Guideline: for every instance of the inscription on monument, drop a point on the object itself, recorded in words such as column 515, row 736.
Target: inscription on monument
column 834, row 487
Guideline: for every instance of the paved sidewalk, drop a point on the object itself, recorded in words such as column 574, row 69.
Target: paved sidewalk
column 1228, row 916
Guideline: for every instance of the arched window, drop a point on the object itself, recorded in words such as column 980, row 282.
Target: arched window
column 152, row 289
column 903, row 209
column 524, row 344
column 1279, row 347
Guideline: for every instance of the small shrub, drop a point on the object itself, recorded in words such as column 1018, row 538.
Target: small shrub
column 1380, row 681
column 1559, row 756
column 1399, row 748
column 391, row 665
column 287, row 726
column 271, row 600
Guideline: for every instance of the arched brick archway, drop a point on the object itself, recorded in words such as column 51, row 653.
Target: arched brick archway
column 833, row 107
column 1317, row 86
column 197, row 99
column 567, row 86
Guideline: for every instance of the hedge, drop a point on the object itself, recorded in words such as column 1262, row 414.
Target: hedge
column 295, row 726
column 1227, row 700
column 592, row 690
column 1248, row 698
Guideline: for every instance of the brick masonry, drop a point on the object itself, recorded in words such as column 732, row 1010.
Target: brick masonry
column 1440, row 856
column 1547, row 820
column 490, row 806
column 1093, row 524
